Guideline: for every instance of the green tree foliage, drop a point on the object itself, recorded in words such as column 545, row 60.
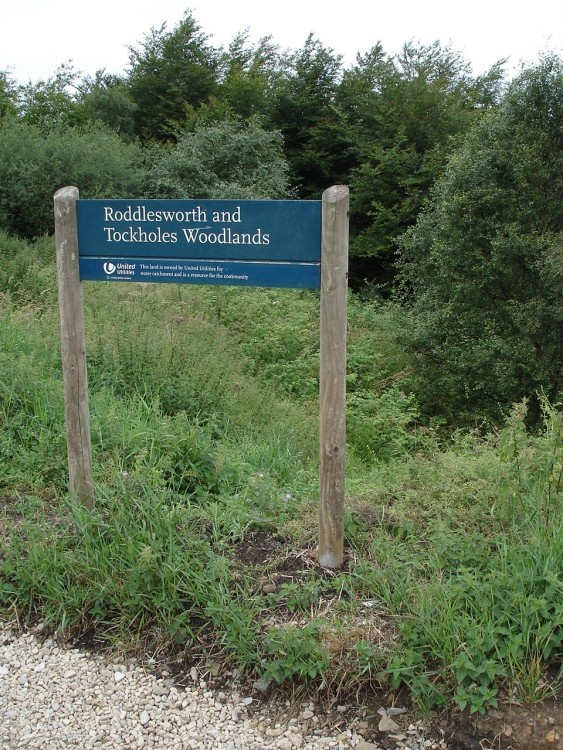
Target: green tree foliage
column 35, row 165
column 7, row 95
column 170, row 72
column 317, row 140
column 51, row 103
column 406, row 113
column 249, row 75
column 484, row 261
column 106, row 99
column 229, row 159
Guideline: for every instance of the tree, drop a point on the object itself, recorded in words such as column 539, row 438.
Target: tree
column 7, row 95
column 50, row 104
column 248, row 76
column 317, row 142
column 484, row 263
column 106, row 99
column 170, row 72
column 407, row 114
column 228, row 159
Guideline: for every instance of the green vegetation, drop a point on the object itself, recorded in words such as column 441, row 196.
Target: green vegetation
column 484, row 262
column 204, row 400
column 204, row 428
column 35, row 165
column 227, row 159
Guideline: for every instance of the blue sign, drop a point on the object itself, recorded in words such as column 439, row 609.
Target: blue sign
column 217, row 272
column 250, row 243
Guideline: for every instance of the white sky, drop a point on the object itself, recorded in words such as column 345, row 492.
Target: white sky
column 36, row 36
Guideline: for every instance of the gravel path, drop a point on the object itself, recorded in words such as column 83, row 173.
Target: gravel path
column 52, row 698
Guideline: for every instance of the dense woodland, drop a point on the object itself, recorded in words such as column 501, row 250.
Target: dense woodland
column 455, row 179
column 204, row 400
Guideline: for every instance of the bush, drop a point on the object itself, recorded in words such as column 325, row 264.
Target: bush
column 34, row 166
column 484, row 262
column 225, row 160
column 27, row 270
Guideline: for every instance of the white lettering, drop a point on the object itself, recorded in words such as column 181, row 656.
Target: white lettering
column 140, row 213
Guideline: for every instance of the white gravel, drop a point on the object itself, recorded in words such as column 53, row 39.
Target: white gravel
column 61, row 698
column 53, row 697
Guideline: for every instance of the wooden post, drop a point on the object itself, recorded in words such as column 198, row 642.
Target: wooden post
column 73, row 347
column 334, row 287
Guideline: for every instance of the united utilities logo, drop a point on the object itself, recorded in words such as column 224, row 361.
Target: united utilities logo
column 119, row 270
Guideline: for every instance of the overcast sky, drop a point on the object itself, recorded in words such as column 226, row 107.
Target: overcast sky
column 36, row 36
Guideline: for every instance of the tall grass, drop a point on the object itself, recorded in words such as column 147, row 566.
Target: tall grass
column 204, row 430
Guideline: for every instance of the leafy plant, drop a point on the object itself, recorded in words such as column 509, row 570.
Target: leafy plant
column 228, row 159
column 295, row 653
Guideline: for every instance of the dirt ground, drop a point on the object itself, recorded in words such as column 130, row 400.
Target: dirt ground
column 512, row 727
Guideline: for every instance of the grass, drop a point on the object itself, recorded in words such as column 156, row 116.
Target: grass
column 204, row 428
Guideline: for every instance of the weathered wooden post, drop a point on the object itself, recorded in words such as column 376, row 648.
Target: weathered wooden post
column 334, row 288
column 73, row 347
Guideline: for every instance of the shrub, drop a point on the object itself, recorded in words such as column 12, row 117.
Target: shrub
column 224, row 160
column 34, row 166
column 483, row 263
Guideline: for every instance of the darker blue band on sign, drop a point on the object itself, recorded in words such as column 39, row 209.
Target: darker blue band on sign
column 201, row 271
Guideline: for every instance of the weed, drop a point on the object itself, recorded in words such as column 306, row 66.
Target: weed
column 295, row 653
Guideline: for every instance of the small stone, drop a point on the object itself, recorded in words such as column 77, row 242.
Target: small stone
column 394, row 711
column 269, row 588
column 388, row 725
column 118, row 676
column 144, row 718
column 507, row 731
column 552, row 736
column 495, row 714
column 160, row 690
column 261, row 685
column 363, row 745
column 247, row 701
